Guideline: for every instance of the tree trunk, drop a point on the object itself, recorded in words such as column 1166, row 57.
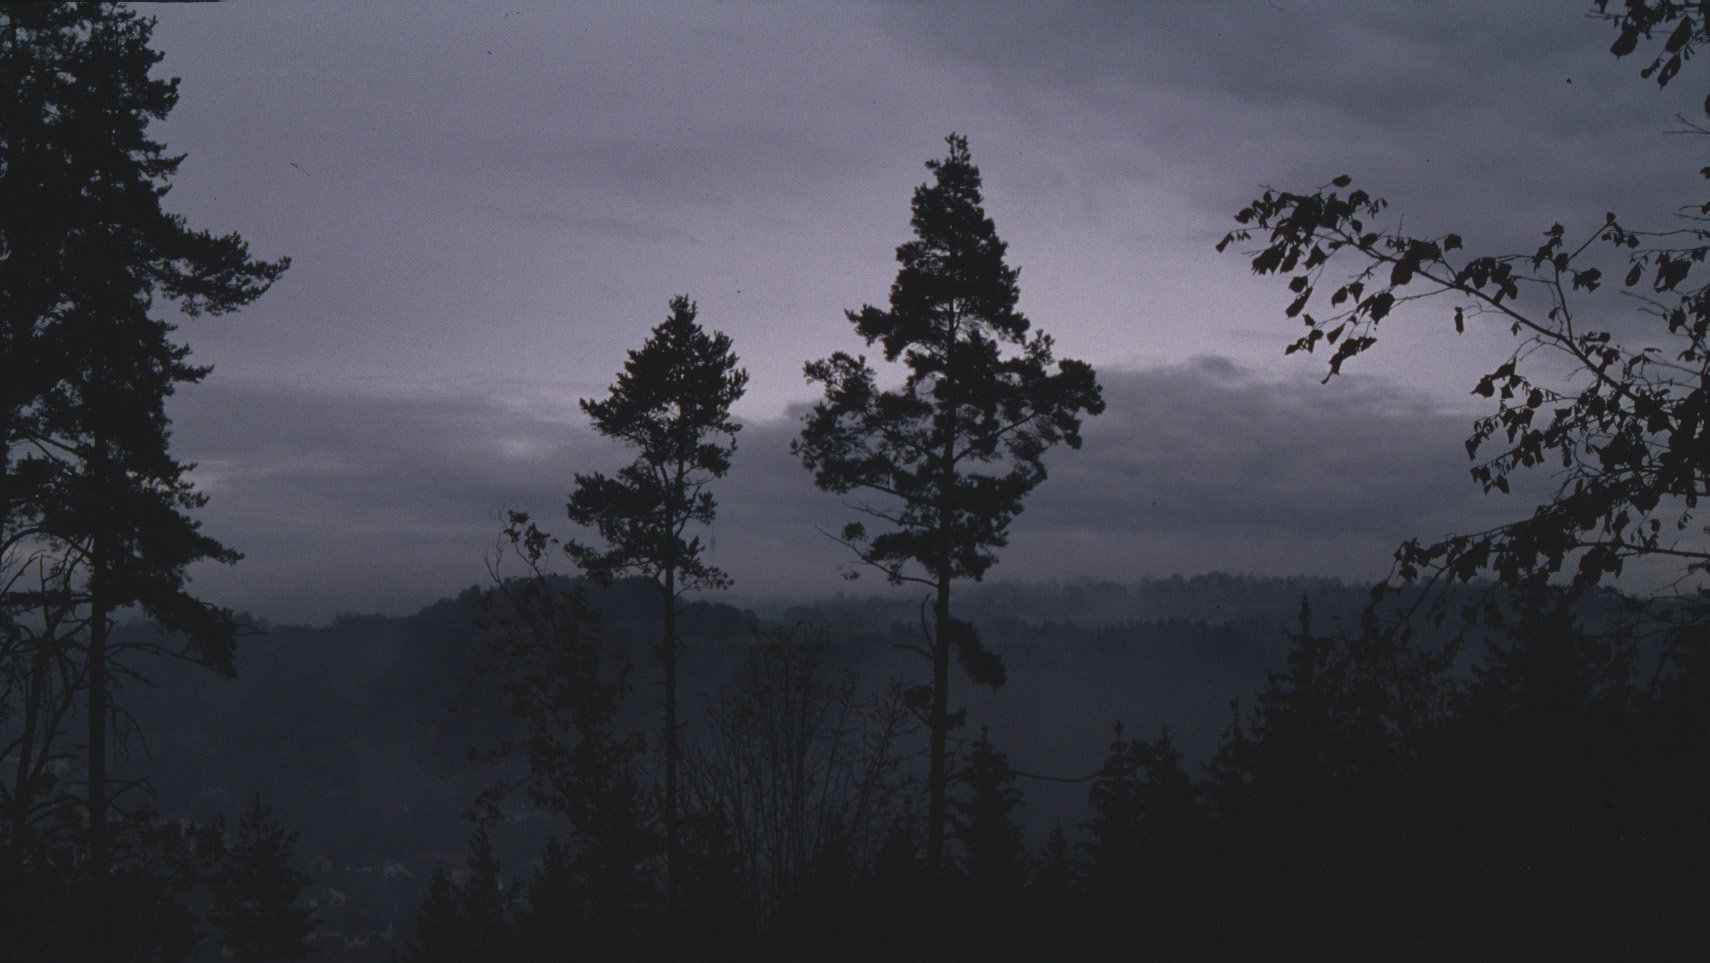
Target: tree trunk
column 97, row 680
column 939, row 719
column 668, row 658
column 23, row 789
column 939, row 723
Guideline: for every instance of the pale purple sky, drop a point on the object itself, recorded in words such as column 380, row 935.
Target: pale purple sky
column 488, row 204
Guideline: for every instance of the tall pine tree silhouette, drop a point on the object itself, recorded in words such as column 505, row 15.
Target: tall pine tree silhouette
column 88, row 489
column 672, row 404
column 951, row 454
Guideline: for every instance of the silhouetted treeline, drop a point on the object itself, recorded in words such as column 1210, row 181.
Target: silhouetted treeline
column 1214, row 597
column 345, row 732
column 331, row 721
column 1538, row 797
column 1538, row 788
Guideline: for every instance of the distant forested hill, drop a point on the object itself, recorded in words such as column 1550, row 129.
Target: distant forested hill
column 346, row 730
column 1215, row 597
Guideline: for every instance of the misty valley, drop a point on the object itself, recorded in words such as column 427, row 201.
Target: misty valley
column 1259, row 767
column 357, row 734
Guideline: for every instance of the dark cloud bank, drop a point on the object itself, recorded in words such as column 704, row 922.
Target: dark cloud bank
column 353, row 503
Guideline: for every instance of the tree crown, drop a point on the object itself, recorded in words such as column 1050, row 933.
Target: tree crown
column 86, row 363
column 965, row 403
column 671, row 403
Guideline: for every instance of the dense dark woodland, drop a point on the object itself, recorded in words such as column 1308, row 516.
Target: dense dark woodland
column 372, row 768
column 1494, row 754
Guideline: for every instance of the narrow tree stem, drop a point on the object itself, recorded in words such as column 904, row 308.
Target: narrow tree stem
column 99, row 605
column 668, row 657
column 939, row 723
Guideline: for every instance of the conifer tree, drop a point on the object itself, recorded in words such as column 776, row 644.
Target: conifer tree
column 440, row 931
column 1054, row 874
column 257, row 892
column 468, row 922
column 985, row 824
column 1146, row 852
column 1116, row 798
column 86, row 363
column 672, row 404
column 951, row 454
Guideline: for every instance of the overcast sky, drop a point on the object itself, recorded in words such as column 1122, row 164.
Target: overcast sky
column 486, row 205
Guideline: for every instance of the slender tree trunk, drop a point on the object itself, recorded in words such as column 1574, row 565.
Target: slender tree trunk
column 939, row 718
column 99, row 606
column 23, row 789
column 939, row 723
column 668, row 657
column 20, row 787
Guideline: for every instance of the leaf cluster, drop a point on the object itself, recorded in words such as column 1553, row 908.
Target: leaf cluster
column 1674, row 18
column 1625, row 433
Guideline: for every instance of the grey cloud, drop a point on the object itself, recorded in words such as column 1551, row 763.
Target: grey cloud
column 520, row 218
column 1209, row 448
column 455, row 213
column 1496, row 117
column 351, row 502
column 347, row 502
column 1207, row 466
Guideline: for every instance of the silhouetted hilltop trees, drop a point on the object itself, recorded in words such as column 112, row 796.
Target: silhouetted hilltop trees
column 1491, row 754
column 1215, row 597
column 1540, row 786
column 345, row 728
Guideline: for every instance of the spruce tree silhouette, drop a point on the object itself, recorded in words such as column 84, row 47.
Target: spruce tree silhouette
column 1310, row 788
column 90, row 497
column 1146, row 841
column 985, row 824
column 257, row 893
column 952, row 453
column 468, row 922
column 1114, row 849
column 672, row 404
column 991, row 873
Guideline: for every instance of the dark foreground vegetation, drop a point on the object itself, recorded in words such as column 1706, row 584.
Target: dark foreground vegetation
column 1536, row 792
column 1541, row 797
column 1536, row 789
column 1492, row 754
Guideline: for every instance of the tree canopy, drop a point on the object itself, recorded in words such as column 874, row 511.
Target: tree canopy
column 671, row 403
column 1627, row 431
column 959, row 446
column 257, row 892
